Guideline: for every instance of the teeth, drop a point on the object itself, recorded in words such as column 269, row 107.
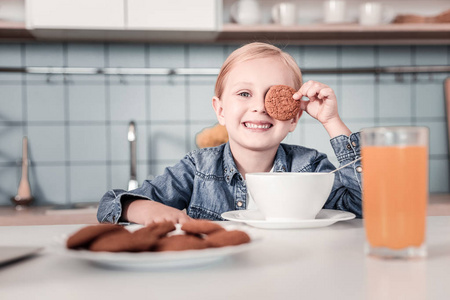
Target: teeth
column 251, row 125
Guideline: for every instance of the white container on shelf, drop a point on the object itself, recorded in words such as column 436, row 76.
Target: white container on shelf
column 284, row 13
column 246, row 12
column 12, row 10
column 375, row 13
column 334, row 11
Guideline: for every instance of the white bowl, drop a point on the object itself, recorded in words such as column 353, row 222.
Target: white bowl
column 289, row 196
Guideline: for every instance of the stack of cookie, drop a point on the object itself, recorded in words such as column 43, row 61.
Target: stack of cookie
column 198, row 234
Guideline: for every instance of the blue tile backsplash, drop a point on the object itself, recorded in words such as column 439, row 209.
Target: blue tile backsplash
column 77, row 125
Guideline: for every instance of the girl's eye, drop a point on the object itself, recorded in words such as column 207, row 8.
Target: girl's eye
column 244, row 94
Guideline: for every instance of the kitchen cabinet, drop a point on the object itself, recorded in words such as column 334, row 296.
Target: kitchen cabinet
column 204, row 15
column 124, row 20
column 80, row 14
column 193, row 21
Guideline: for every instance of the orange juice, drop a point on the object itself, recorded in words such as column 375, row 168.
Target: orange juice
column 395, row 193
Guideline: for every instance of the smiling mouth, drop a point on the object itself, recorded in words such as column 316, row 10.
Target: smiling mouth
column 257, row 126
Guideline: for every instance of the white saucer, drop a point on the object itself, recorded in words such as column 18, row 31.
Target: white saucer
column 254, row 218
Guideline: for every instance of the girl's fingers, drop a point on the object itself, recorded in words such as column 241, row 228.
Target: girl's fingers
column 324, row 93
column 312, row 92
column 297, row 95
column 303, row 104
column 148, row 222
column 174, row 216
column 157, row 220
column 305, row 87
column 183, row 219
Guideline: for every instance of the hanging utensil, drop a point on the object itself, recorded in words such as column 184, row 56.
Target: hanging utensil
column 132, row 183
column 24, row 197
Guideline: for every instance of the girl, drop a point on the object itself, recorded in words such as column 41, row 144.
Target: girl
column 210, row 181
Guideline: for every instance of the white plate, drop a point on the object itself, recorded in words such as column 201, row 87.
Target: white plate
column 254, row 218
column 158, row 260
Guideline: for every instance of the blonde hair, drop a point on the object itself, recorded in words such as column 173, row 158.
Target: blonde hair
column 254, row 51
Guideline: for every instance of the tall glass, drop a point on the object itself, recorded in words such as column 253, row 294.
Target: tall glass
column 395, row 190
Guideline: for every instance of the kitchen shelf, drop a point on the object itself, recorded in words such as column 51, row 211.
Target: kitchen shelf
column 339, row 34
column 10, row 30
column 318, row 34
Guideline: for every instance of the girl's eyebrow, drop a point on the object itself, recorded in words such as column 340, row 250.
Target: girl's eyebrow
column 240, row 83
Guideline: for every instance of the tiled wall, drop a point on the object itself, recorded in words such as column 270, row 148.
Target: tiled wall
column 77, row 125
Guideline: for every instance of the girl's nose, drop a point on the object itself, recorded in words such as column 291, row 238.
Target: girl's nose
column 259, row 106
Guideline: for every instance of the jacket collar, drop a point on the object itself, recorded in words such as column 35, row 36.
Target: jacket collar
column 230, row 169
column 280, row 162
column 229, row 166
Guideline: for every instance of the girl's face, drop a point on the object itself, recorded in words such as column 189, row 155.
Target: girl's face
column 241, row 107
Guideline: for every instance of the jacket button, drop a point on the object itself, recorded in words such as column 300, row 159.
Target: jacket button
column 349, row 147
column 359, row 169
column 354, row 144
column 239, row 203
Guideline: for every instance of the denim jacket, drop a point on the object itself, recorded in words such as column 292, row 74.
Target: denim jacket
column 207, row 183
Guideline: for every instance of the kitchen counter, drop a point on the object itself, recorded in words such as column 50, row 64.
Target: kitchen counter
column 439, row 205
column 321, row 263
column 47, row 215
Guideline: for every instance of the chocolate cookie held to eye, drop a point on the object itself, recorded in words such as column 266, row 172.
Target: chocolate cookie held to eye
column 279, row 103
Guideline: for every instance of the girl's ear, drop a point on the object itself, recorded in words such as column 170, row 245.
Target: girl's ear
column 218, row 108
column 294, row 121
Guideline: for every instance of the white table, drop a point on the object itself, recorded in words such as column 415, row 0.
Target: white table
column 323, row 263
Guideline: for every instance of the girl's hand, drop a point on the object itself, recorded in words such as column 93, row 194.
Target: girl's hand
column 147, row 211
column 322, row 104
